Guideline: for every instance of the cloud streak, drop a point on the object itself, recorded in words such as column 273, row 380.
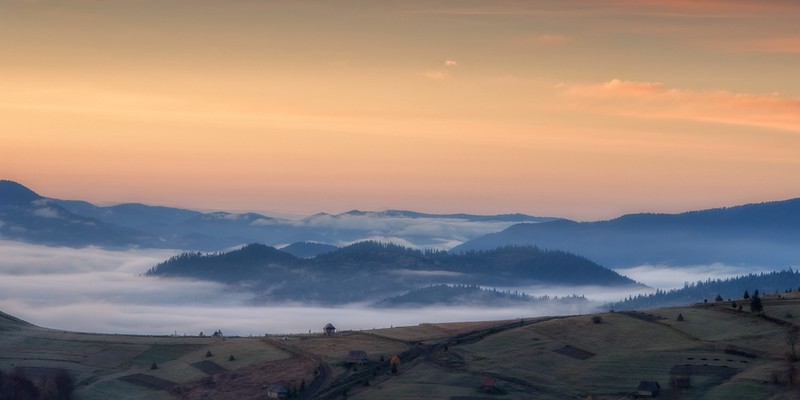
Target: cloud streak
column 643, row 99
column 788, row 44
column 547, row 40
column 715, row 9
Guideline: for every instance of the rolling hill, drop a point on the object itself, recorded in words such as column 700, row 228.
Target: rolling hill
column 710, row 352
column 369, row 271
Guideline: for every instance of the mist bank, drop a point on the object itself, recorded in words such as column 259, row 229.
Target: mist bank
column 716, row 290
column 98, row 290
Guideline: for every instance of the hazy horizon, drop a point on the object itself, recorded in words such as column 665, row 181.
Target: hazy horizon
column 295, row 216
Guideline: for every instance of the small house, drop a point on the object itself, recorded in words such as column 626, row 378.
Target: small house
column 329, row 329
column 648, row 388
column 356, row 357
column 277, row 392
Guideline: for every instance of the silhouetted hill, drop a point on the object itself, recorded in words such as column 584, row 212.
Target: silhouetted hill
column 10, row 322
column 308, row 249
column 132, row 215
column 251, row 262
column 29, row 217
column 14, row 194
column 367, row 271
column 754, row 234
column 732, row 288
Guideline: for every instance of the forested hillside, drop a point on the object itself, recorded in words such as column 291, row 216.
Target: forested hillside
column 369, row 271
column 698, row 292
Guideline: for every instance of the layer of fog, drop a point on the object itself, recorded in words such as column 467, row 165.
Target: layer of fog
column 675, row 277
column 97, row 290
column 418, row 233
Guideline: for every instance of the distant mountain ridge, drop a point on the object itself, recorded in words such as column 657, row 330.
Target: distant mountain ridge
column 132, row 215
column 516, row 217
column 754, row 234
column 367, row 271
column 26, row 216
column 761, row 235
column 140, row 225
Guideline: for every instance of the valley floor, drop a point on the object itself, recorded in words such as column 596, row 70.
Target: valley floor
column 713, row 352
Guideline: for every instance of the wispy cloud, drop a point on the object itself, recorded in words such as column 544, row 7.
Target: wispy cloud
column 666, row 8
column 546, row 39
column 789, row 44
column 655, row 100
column 442, row 72
column 436, row 75
column 46, row 212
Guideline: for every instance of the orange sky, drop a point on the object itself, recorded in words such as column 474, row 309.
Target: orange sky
column 582, row 109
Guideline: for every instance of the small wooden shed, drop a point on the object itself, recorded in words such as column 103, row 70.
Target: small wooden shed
column 329, row 329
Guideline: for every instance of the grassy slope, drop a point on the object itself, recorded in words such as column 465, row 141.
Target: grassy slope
column 98, row 361
column 626, row 348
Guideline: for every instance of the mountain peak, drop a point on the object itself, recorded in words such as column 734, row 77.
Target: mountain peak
column 13, row 193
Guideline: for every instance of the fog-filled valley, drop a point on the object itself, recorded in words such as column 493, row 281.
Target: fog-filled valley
column 99, row 290
column 96, row 290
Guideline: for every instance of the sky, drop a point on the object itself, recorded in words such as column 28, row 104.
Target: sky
column 584, row 109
